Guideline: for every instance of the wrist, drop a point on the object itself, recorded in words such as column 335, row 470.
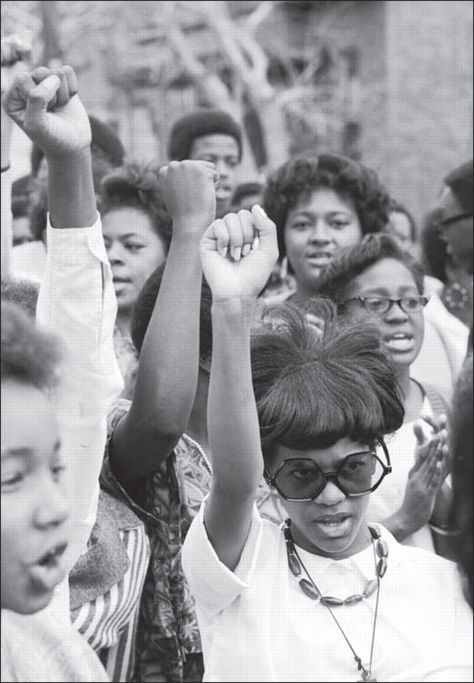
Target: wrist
column 187, row 233
column 404, row 524
column 235, row 307
column 78, row 157
column 444, row 529
column 191, row 225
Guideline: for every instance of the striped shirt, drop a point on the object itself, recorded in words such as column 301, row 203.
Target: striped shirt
column 109, row 621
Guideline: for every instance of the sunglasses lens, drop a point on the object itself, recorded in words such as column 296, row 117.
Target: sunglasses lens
column 299, row 479
column 360, row 472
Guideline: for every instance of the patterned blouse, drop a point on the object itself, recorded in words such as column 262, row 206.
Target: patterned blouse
column 168, row 641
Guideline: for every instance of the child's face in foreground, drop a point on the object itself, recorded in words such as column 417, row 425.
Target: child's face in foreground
column 331, row 525
column 34, row 509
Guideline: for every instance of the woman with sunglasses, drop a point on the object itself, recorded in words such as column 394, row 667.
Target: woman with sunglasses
column 326, row 597
column 378, row 281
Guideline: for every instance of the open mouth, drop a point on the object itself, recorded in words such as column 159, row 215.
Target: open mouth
column 52, row 556
column 48, row 571
column 319, row 258
column 334, row 523
column 223, row 193
column 401, row 341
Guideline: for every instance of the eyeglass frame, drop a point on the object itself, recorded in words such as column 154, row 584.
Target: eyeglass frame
column 423, row 300
column 332, row 476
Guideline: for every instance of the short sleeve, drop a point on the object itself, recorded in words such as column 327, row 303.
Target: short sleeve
column 213, row 585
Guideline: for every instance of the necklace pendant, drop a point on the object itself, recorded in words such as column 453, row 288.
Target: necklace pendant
column 367, row 676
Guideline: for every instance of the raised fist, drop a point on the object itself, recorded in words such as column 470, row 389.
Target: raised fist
column 238, row 253
column 189, row 193
column 45, row 105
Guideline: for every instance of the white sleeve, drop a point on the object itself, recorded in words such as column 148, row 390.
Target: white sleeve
column 77, row 303
column 213, row 585
column 7, row 220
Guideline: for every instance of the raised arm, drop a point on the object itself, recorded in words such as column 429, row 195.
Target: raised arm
column 169, row 358
column 13, row 50
column 76, row 300
column 236, row 274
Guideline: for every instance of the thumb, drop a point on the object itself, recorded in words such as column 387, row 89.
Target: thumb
column 266, row 229
column 419, row 433
column 40, row 96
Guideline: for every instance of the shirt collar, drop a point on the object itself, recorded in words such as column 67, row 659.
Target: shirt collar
column 362, row 562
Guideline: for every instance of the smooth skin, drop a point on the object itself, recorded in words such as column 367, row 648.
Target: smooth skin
column 169, row 359
column 424, row 491
column 316, row 230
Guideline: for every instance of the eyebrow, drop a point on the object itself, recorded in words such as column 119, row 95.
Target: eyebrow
column 383, row 292
column 25, row 452
column 311, row 214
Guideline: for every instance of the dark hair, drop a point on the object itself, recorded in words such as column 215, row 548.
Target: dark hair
column 24, row 293
column 245, row 190
column 435, row 255
column 313, row 389
column 396, row 207
column 348, row 178
column 145, row 304
column 21, row 189
column 136, row 185
column 341, row 271
column 197, row 124
column 461, row 443
column 460, row 181
column 28, row 354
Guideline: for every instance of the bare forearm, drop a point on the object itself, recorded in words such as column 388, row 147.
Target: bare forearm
column 232, row 414
column 400, row 526
column 71, row 196
column 169, row 358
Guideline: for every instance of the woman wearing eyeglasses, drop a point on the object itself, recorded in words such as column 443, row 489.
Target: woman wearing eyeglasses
column 324, row 205
column 325, row 597
column 378, row 281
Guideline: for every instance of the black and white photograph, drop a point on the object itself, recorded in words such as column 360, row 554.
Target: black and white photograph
column 237, row 341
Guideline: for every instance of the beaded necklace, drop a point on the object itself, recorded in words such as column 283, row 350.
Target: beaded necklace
column 310, row 589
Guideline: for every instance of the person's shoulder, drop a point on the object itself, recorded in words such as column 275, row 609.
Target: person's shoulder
column 418, row 560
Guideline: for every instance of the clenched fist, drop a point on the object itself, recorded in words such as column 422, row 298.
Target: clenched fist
column 45, row 105
column 189, row 194
column 238, row 253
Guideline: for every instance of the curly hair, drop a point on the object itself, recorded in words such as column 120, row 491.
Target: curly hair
column 24, row 293
column 338, row 275
column 136, row 185
column 435, row 254
column 28, row 354
column 143, row 311
column 314, row 388
column 299, row 177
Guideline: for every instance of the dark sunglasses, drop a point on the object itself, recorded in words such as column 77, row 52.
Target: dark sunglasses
column 301, row 479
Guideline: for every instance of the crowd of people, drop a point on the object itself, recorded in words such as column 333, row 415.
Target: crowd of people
column 236, row 419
